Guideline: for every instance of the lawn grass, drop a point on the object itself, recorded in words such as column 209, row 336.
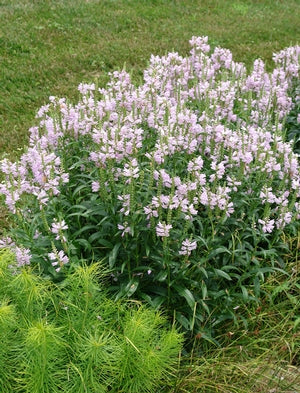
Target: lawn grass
column 49, row 47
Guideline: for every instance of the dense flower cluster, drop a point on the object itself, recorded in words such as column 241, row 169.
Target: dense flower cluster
column 23, row 255
column 198, row 143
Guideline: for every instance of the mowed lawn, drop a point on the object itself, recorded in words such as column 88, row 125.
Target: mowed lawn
column 49, row 47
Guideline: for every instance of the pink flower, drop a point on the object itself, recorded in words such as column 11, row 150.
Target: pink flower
column 124, row 228
column 59, row 259
column 187, row 247
column 7, row 242
column 95, row 186
column 131, row 170
column 267, row 225
column 23, row 256
column 284, row 219
column 199, row 44
column 57, row 227
column 150, row 212
column 126, row 204
column 162, row 229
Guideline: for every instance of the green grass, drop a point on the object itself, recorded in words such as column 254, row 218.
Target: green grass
column 49, row 47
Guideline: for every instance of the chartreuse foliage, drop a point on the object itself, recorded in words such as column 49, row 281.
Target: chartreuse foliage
column 70, row 338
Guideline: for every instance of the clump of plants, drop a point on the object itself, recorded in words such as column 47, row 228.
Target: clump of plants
column 70, row 337
column 181, row 186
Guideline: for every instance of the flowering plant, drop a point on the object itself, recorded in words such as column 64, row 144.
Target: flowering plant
column 182, row 185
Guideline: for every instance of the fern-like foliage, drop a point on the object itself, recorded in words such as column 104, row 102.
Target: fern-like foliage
column 69, row 337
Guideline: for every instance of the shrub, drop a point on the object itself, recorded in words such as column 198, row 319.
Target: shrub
column 181, row 186
column 70, row 337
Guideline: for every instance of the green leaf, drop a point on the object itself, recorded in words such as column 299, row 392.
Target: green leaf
column 182, row 320
column 208, row 338
column 257, row 286
column 113, row 255
column 161, row 276
column 78, row 189
column 187, row 294
column 158, row 290
column 98, row 237
column 128, row 289
column 223, row 274
column 245, row 293
column 204, row 290
column 87, row 213
column 205, row 306
column 203, row 270
column 217, row 251
column 147, row 250
column 84, row 229
column 132, row 286
column 80, row 209
column 154, row 302
column 296, row 323
column 84, row 243
column 199, row 238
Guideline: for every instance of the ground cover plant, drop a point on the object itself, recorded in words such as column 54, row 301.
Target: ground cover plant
column 182, row 186
column 72, row 338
